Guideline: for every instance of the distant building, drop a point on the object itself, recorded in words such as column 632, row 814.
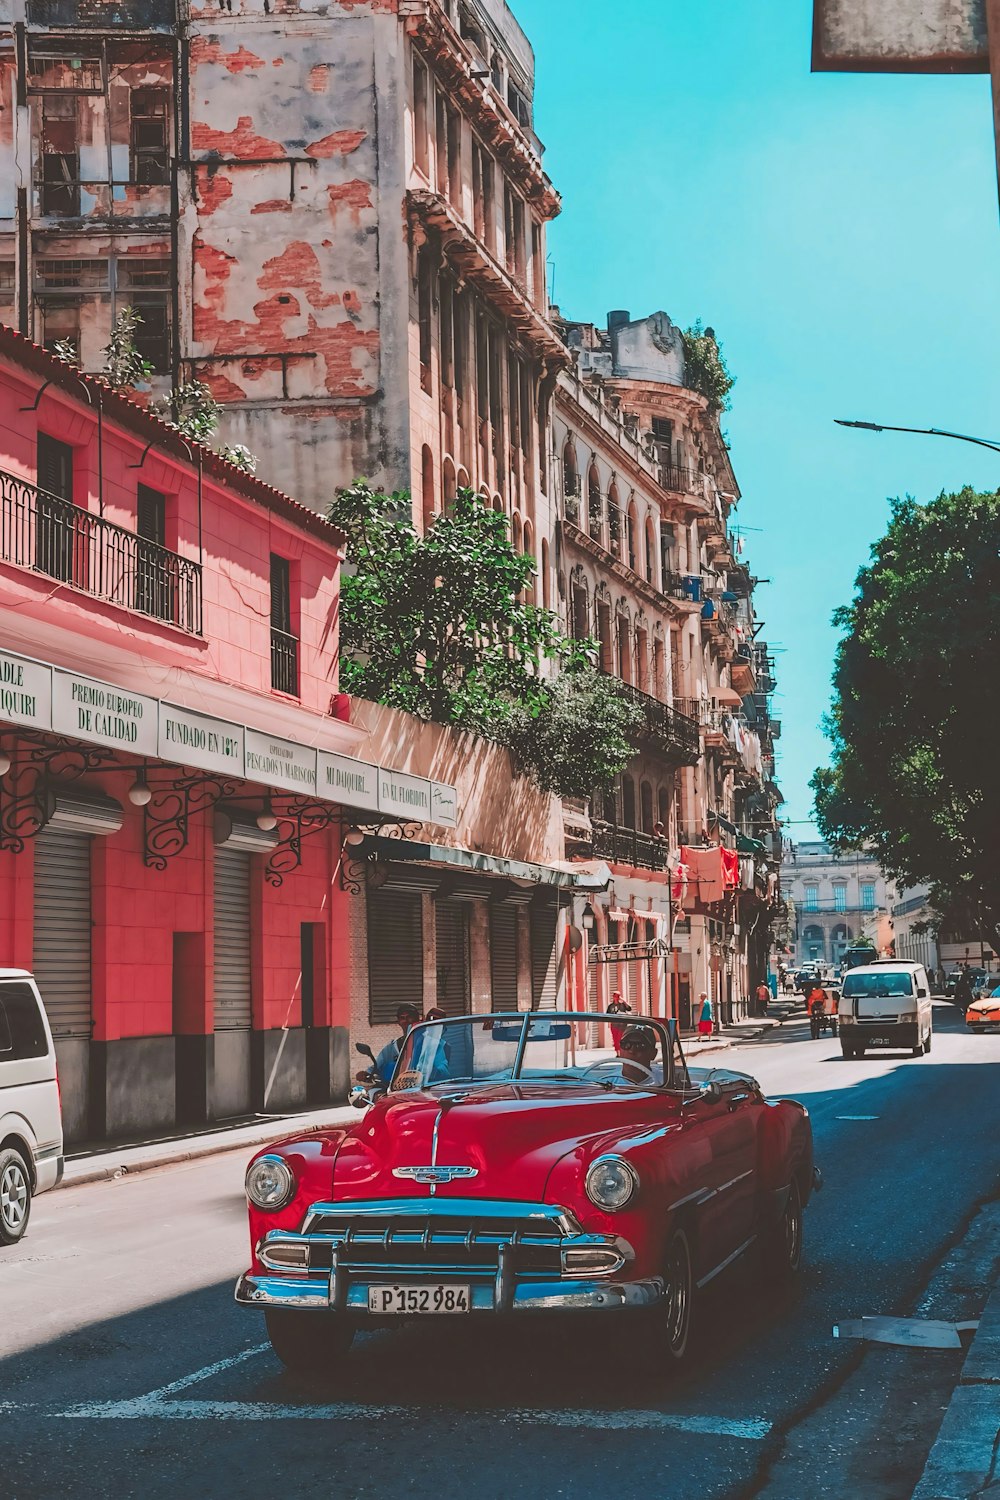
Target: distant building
column 838, row 898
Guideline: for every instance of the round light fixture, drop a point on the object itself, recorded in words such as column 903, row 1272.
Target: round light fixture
column 353, row 837
column 4, row 762
column 139, row 793
column 265, row 818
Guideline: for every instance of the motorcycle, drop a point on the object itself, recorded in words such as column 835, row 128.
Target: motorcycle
column 368, row 1083
column 821, row 1020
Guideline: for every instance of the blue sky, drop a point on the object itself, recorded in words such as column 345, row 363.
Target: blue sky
column 839, row 232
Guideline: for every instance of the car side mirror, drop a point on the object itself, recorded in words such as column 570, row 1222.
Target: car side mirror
column 921, row 994
column 713, row 1090
column 364, row 1050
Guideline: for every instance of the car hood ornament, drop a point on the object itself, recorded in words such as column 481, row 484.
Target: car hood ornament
column 435, row 1174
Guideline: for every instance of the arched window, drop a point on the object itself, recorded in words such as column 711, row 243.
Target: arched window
column 448, row 486
column 595, row 514
column 623, row 627
column 545, row 574
column 614, row 520
column 515, row 533
column 427, row 486
column 811, row 902
column 646, row 805
column 651, row 551
column 641, row 678
column 632, row 537
column 628, row 802
column 580, row 603
column 571, row 482
column 814, row 943
column 462, row 480
column 604, row 636
column 529, row 551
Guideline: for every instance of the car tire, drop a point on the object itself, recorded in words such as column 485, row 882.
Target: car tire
column 927, row 1044
column 307, row 1343
column 918, row 1050
column 781, row 1245
column 15, row 1196
column 676, row 1310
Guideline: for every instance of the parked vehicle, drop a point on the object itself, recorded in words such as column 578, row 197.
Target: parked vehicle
column 856, row 955
column 504, row 1173
column 984, row 1014
column 886, row 1004
column 31, row 1143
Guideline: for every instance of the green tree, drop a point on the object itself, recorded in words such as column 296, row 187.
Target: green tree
column 915, row 721
column 439, row 625
column 705, row 370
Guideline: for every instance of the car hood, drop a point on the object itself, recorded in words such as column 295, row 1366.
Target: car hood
column 509, row 1135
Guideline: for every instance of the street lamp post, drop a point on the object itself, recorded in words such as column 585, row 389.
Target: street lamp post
column 961, row 437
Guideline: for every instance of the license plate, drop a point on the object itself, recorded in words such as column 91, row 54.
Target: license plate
column 879, row 1041
column 439, row 1297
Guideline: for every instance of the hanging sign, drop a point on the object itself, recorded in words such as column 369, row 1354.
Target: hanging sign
column 351, row 782
column 104, row 715
column 404, row 796
column 278, row 762
column 25, row 691
column 198, row 740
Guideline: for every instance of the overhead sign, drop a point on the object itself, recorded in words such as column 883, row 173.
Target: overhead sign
column 25, row 691
column 279, row 762
column 898, row 36
column 352, row 782
column 403, row 796
column 197, row 740
column 105, row 715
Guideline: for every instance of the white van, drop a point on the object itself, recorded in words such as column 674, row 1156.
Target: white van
column 31, row 1141
column 885, row 1004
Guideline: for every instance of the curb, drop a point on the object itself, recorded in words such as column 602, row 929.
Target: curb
column 175, row 1152
column 964, row 1461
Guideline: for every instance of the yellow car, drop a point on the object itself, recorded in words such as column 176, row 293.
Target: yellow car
column 984, row 1012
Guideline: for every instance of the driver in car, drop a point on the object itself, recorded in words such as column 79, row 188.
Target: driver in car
column 638, row 1049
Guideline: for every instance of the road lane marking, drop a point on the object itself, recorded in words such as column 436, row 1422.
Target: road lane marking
column 857, row 1117
column 205, row 1374
column 147, row 1408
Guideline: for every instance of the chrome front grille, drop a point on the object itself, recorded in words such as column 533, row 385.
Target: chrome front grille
column 401, row 1245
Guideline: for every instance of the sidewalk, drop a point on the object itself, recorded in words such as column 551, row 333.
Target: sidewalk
column 964, row 1463
column 104, row 1163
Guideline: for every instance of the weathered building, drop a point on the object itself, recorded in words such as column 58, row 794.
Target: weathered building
column 333, row 215
column 838, row 899
column 650, row 567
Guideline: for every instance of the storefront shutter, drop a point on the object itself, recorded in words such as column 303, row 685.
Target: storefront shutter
column 544, row 968
column 451, row 925
column 503, row 957
column 395, row 954
column 233, row 1010
column 62, row 929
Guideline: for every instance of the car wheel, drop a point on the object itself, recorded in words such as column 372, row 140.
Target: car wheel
column 782, row 1244
column 927, row 1044
column 918, row 1050
column 307, row 1343
column 15, row 1196
column 677, row 1307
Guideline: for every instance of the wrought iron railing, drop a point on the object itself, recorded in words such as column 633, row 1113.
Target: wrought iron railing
column 284, row 662
column 627, row 846
column 664, row 726
column 682, row 481
column 62, row 540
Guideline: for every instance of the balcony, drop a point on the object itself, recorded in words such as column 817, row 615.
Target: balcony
column 284, row 662
column 682, row 481
column 627, row 846
column 663, row 727
column 61, row 540
column 741, row 671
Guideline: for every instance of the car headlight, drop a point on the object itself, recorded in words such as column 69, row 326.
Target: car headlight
column 270, row 1182
column 611, row 1182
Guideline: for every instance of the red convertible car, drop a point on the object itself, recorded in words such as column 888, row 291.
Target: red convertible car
column 507, row 1170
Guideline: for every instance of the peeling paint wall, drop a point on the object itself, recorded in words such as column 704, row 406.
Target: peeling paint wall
column 900, row 35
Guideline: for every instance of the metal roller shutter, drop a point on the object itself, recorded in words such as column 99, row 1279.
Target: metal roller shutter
column 395, row 953
column 451, row 929
column 503, row 957
column 544, row 960
column 233, row 1007
column 62, row 929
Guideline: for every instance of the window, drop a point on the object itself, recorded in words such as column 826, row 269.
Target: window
column 395, row 953
column 646, row 804
column 537, row 266
column 441, row 145
column 146, row 284
column 581, row 613
column 517, row 103
column 811, row 902
column 54, row 522
column 22, row 1034
column 628, row 802
column 455, row 158
column 425, row 297
column 514, row 234
column 154, row 576
column 150, row 136
column 420, row 145
column 840, row 897
column 867, row 896
column 284, row 645
column 60, row 155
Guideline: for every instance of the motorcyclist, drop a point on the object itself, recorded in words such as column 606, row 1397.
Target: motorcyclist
column 818, row 1003
column 385, row 1062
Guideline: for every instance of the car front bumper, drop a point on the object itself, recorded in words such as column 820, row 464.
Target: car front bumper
column 889, row 1034
column 513, row 1257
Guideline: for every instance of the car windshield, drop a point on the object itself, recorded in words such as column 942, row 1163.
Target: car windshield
column 533, row 1048
column 882, row 984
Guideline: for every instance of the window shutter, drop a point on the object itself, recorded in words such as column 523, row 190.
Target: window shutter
column 503, row 957
column 62, row 929
column 544, row 960
column 451, row 923
column 395, row 954
column 233, row 1010
column 55, row 467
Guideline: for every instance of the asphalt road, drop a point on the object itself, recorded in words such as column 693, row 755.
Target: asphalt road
column 127, row 1371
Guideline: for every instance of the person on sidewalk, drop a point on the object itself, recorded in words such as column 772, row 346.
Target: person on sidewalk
column 763, row 998
column 618, row 1007
column 705, row 1017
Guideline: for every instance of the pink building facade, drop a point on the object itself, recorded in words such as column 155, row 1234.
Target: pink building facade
column 177, row 764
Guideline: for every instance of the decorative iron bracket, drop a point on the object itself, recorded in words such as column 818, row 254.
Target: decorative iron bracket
column 23, row 809
column 297, row 818
column 360, row 867
column 166, row 817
